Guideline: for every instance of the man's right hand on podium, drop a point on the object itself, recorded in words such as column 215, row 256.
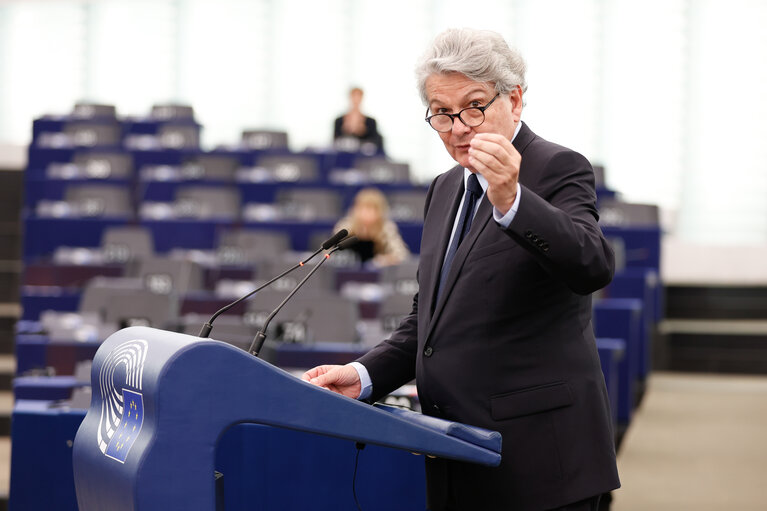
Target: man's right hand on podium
column 344, row 380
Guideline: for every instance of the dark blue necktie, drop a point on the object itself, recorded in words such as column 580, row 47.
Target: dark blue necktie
column 473, row 193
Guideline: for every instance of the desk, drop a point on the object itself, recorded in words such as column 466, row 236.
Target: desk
column 41, row 455
column 36, row 351
column 45, row 388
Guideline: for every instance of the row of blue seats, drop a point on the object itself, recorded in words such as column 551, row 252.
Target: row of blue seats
column 83, row 115
column 42, row 162
column 88, row 201
column 44, row 235
column 38, row 189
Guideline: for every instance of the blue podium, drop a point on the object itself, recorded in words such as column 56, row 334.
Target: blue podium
column 161, row 401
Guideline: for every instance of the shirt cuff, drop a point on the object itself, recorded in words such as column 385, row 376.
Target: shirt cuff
column 505, row 220
column 365, row 381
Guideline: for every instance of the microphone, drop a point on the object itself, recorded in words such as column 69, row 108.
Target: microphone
column 346, row 243
column 258, row 340
column 328, row 243
column 332, row 241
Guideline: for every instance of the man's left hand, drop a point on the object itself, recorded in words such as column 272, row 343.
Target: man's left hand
column 494, row 157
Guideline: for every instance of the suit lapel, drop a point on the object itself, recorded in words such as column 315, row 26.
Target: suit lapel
column 478, row 224
column 523, row 138
column 453, row 188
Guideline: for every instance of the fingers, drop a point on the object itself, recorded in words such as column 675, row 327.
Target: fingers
column 341, row 379
column 315, row 372
column 337, row 376
column 330, row 379
column 493, row 153
column 494, row 157
column 326, row 376
column 323, row 381
column 483, row 163
column 311, row 373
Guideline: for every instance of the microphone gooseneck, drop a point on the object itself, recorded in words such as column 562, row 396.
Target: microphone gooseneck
column 258, row 340
column 330, row 242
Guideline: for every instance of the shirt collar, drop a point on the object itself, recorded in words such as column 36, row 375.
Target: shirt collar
column 480, row 177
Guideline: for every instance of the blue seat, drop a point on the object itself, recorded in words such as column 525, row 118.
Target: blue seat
column 611, row 352
column 643, row 284
column 621, row 318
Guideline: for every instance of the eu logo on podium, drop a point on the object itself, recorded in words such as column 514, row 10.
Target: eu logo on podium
column 130, row 426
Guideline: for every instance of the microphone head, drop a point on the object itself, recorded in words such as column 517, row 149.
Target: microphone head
column 348, row 242
column 333, row 240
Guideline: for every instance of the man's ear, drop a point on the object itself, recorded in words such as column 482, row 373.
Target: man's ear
column 515, row 96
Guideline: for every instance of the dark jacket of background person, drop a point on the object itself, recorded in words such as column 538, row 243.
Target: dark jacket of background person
column 371, row 132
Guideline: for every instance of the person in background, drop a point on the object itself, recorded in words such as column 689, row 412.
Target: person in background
column 500, row 334
column 356, row 125
column 380, row 241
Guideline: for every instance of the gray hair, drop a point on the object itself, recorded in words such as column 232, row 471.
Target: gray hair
column 481, row 55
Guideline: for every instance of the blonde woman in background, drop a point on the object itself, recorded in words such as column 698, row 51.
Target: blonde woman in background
column 380, row 241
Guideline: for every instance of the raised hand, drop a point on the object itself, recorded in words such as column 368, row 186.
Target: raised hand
column 494, row 157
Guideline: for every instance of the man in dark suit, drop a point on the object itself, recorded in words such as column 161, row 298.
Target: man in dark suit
column 500, row 333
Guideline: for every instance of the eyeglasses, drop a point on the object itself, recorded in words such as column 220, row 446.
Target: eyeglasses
column 471, row 117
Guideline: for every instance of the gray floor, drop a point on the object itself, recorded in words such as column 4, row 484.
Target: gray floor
column 698, row 442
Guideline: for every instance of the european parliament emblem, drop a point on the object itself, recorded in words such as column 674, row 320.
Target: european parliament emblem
column 122, row 404
column 129, row 428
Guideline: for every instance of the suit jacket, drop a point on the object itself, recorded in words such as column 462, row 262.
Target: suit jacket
column 371, row 131
column 510, row 345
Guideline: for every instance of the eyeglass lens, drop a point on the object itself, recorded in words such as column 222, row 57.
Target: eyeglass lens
column 471, row 117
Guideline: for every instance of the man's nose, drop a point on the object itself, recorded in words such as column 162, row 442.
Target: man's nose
column 459, row 128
